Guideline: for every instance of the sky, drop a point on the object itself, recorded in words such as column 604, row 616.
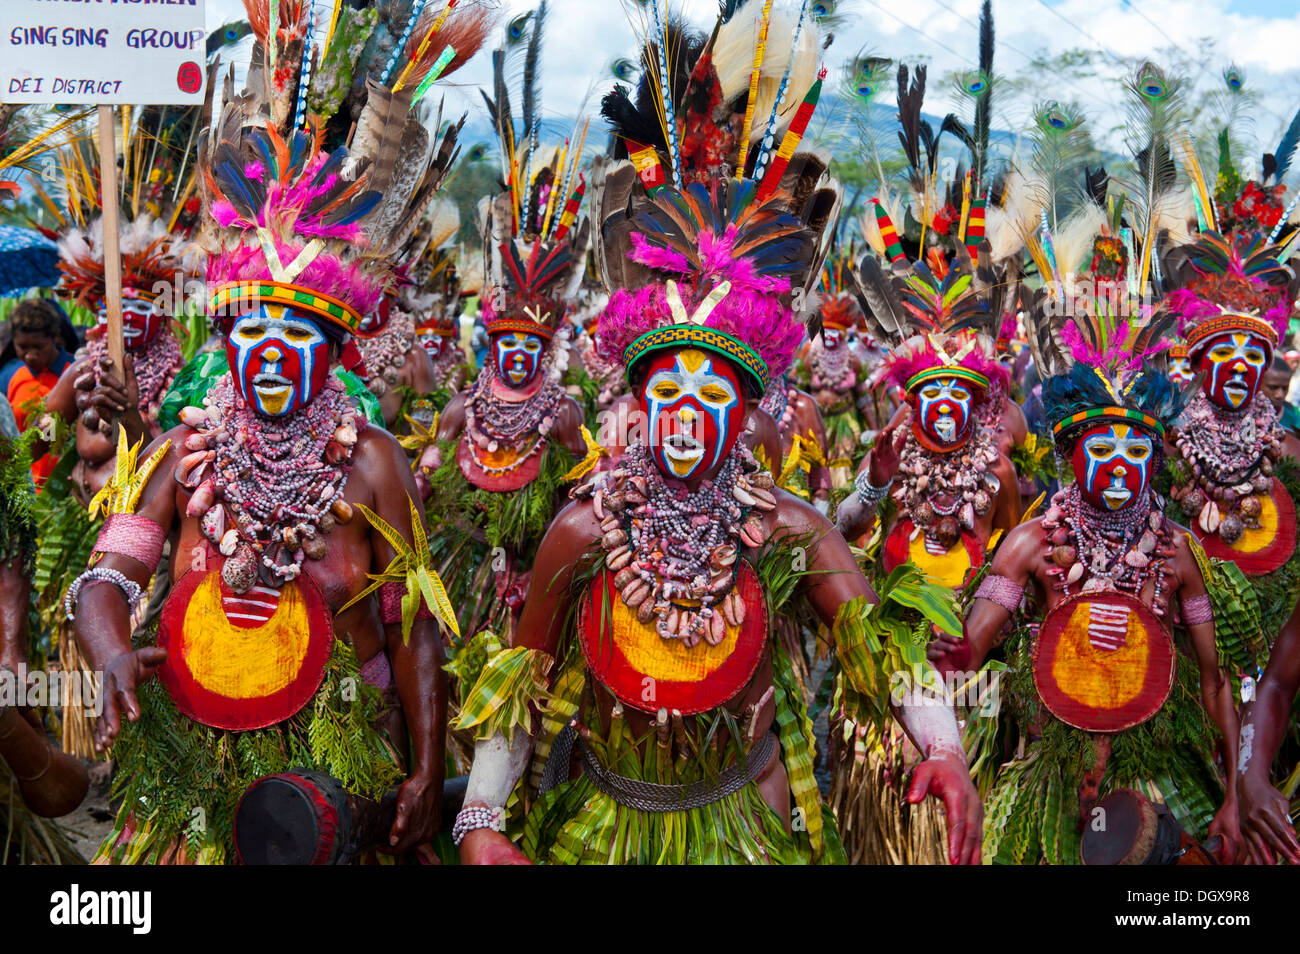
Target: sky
column 1261, row 37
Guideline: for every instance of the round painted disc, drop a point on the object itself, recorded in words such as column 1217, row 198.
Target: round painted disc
column 1262, row 550
column 243, row 661
column 648, row 672
column 509, row 480
column 1103, row 662
column 946, row 569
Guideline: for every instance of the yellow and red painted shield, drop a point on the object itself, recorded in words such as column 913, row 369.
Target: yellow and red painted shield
column 944, row 567
column 467, row 458
column 1263, row 549
column 243, row 661
column 1103, row 662
column 648, row 672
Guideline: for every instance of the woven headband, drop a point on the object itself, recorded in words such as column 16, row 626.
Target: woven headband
column 1137, row 417
column 948, row 371
column 677, row 336
column 1232, row 321
column 226, row 300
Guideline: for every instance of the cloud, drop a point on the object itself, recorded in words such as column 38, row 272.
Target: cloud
column 584, row 36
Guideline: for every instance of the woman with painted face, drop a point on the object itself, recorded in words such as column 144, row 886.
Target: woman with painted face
column 944, row 494
column 291, row 636
column 1102, row 612
column 1236, row 481
column 675, row 714
column 505, row 444
column 106, row 395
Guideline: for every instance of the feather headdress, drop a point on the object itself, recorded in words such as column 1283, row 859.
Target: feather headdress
column 694, row 251
column 295, row 218
column 535, row 239
column 1225, row 284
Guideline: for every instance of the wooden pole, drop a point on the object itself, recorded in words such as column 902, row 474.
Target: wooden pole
column 112, row 260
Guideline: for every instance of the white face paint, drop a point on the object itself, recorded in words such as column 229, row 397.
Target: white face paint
column 1118, row 459
column 519, row 355
column 1237, row 365
column 278, row 361
column 944, row 408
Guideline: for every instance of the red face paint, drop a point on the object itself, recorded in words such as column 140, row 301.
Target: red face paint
column 694, row 403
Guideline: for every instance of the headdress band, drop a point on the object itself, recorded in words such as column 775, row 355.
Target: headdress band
column 1232, row 321
column 229, row 297
column 678, row 336
column 948, row 371
column 1138, row 417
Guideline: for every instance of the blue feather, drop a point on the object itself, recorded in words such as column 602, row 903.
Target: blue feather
column 360, row 209
column 1286, row 148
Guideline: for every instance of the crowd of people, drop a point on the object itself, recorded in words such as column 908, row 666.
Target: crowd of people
column 701, row 511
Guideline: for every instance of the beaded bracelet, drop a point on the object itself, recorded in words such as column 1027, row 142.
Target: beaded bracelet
column 869, row 493
column 102, row 574
column 1197, row 610
column 476, row 816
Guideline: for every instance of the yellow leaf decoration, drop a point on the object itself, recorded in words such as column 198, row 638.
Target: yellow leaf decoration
column 413, row 567
column 122, row 492
column 420, row 436
column 585, row 466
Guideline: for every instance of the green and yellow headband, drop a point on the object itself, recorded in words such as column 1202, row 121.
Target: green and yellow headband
column 1096, row 413
column 228, row 300
column 710, row 339
column 947, row 371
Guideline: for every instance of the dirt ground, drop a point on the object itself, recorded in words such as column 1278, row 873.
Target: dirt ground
column 93, row 819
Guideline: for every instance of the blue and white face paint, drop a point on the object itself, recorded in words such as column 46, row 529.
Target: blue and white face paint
column 279, row 359
column 1112, row 463
column 518, row 357
column 695, row 410
column 1234, row 364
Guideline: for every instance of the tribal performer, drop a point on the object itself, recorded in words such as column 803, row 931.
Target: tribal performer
column 834, row 373
column 676, row 731
column 271, row 653
column 1113, row 631
column 505, row 443
column 434, row 299
column 92, row 392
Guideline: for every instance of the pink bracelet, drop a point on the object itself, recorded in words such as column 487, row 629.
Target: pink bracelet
column 134, row 536
column 1002, row 591
column 390, row 604
column 1197, row 610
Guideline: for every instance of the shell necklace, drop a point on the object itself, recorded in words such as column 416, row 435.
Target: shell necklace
column 279, row 480
column 673, row 550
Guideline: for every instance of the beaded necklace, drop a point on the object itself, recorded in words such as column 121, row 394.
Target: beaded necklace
column 155, row 366
column 492, row 422
column 279, row 480
column 385, row 353
column 945, row 493
column 829, row 368
column 673, row 550
column 1120, row 550
column 448, row 362
column 1231, row 457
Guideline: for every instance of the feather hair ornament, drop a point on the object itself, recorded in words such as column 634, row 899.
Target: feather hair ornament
column 1155, row 116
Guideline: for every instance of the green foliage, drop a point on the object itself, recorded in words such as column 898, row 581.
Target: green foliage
column 170, row 765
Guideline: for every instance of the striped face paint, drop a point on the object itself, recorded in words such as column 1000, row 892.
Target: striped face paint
column 141, row 321
column 1112, row 464
column 1180, row 370
column 693, row 403
column 279, row 359
column 943, row 407
column 518, row 356
column 1234, row 365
